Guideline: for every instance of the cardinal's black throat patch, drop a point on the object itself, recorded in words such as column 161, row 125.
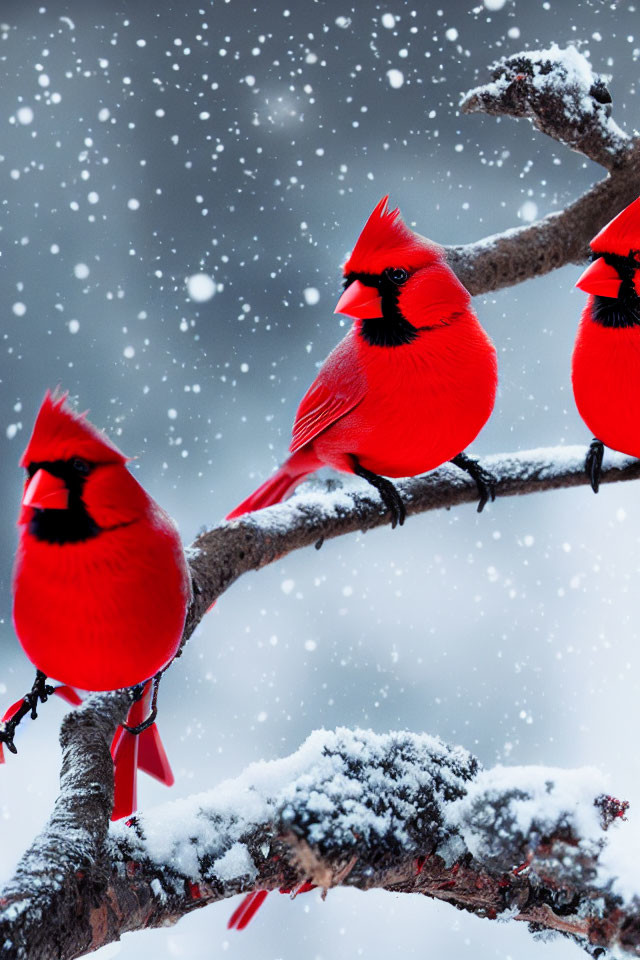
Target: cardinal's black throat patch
column 615, row 312
column 74, row 524
column 391, row 329
column 623, row 310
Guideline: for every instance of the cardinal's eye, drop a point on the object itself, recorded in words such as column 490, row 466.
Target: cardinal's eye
column 397, row 275
column 83, row 467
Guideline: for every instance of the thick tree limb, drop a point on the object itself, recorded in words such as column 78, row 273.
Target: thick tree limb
column 401, row 812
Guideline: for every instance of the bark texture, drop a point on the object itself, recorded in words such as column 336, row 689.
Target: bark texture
column 401, row 812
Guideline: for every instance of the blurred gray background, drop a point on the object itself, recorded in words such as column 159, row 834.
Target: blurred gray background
column 145, row 143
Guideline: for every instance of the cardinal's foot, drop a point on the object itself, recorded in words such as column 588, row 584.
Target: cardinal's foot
column 485, row 481
column 388, row 493
column 593, row 463
column 138, row 693
column 39, row 693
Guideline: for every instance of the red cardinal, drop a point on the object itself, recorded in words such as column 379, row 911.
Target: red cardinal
column 408, row 388
column 101, row 584
column 411, row 384
column 606, row 355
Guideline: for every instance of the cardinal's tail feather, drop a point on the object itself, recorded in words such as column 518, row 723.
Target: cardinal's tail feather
column 276, row 488
column 152, row 757
column 124, row 750
column 132, row 752
column 247, row 909
column 250, row 904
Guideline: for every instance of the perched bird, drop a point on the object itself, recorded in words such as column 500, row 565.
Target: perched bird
column 101, row 584
column 411, row 384
column 408, row 388
column 606, row 356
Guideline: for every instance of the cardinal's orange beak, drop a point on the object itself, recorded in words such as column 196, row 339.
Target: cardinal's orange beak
column 360, row 302
column 46, row 492
column 601, row 279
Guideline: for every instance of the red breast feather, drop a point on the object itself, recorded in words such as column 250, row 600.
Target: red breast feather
column 604, row 374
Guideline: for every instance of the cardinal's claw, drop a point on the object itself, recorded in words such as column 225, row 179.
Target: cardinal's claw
column 593, row 463
column 40, row 693
column 6, row 738
column 485, row 481
column 388, row 493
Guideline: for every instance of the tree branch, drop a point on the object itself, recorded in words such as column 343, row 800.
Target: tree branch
column 557, row 90
column 401, row 812
column 316, row 513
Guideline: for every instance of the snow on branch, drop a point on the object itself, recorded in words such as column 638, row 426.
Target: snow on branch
column 319, row 512
column 400, row 811
column 557, row 90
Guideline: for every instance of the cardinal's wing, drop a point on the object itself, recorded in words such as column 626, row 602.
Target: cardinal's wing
column 339, row 387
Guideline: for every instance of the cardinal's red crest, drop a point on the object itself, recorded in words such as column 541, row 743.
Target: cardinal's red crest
column 60, row 433
column 622, row 234
column 386, row 241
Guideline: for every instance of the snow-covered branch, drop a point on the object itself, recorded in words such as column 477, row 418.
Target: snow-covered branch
column 557, row 90
column 317, row 513
column 401, row 812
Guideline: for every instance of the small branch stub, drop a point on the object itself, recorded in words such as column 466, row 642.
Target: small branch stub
column 557, row 90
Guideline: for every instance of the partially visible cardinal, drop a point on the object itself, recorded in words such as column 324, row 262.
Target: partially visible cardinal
column 409, row 387
column 606, row 357
column 101, row 584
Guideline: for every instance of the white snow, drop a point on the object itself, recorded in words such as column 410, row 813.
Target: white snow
column 331, row 778
column 25, row 115
column 200, row 287
column 311, row 295
column 528, row 211
column 571, row 77
column 328, row 783
column 541, row 798
column 395, row 78
column 236, row 862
